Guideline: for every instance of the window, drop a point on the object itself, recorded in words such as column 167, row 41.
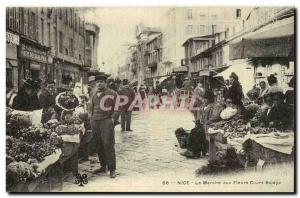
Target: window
column 238, row 13
column 202, row 30
column 66, row 16
column 202, row 16
column 49, row 35
column 214, row 17
column 79, row 56
column 42, row 30
column 66, row 51
column 60, row 13
column 214, row 29
column 55, row 37
column 60, row 42
column 189, row 29
column 33, row 26
column 71, row 18
column 189, row 14
column 75, row 23
column 88, row 40
column 71, row 46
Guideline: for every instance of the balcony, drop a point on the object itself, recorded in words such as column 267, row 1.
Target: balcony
column 152, row 65
column 184, row 62
column 157, row 47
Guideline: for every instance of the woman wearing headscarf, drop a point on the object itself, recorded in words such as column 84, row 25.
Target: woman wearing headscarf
column 235, row 91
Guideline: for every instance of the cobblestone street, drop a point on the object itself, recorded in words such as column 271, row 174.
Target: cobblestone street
column 149, row 160
column 150, row 150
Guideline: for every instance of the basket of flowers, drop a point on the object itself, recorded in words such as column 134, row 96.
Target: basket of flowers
column 67, row 101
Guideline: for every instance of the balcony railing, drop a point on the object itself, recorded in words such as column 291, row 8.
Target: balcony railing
column 184, row 62
column 147, row 51
column 152, row 65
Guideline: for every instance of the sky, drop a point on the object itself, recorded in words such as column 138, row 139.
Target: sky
column 117, row 30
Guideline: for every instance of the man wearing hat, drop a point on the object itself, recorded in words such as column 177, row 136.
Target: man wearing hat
column 125, row 111
column 102, row 109
column 26, row 98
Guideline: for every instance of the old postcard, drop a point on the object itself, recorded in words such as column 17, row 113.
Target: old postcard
column 150, row 99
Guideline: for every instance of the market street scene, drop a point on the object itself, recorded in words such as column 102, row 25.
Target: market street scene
column 157, row 99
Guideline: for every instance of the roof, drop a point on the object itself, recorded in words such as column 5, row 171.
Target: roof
column 199, row 38
column 153, row 37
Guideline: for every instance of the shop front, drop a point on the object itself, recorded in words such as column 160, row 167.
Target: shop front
column 33, row 61
column 270, row 50
column 67, row 73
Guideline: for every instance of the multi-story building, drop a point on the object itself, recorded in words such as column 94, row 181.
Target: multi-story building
column 253, row 52
column 143, row 35
column 183, row 23
column 133, row 62
column 266, row 45
column 154, row 58
column 91, row 45
column 194, row 46
column 45, row 43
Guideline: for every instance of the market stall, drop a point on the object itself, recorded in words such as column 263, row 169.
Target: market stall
column 37, row 154
column 236, row 142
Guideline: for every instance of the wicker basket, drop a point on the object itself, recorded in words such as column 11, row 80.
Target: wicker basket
column 183, row 140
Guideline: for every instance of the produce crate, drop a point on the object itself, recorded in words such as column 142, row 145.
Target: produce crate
column 215, row 140
column 256, row 152
column 69, row 157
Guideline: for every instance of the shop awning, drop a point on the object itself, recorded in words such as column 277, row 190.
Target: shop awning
column 274, row 42
column 182, row 69
column 243, row 71
column 161, row 79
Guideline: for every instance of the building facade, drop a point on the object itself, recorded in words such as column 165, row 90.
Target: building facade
column 253, row 51
column 51, row 45
column 144, row 35
column 154, row 58
column 91, row 45
column 183, row 23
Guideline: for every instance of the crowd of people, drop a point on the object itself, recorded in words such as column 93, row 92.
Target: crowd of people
column 276, row 107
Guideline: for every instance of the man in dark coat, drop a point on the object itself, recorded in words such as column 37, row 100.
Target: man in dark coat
column 102, row 123
column 26, row 98
column 47, row 101
column 125, row 111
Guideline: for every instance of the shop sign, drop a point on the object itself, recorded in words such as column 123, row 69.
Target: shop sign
column 12, row 38
column 30, row 52
column 204, row 73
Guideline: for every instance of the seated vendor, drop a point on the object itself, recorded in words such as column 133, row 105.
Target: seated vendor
column 276, row 114
column 211, row 111
column 197, row 143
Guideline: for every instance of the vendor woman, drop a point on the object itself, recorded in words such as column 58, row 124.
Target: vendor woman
column 235, row 92
column 276, row 114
